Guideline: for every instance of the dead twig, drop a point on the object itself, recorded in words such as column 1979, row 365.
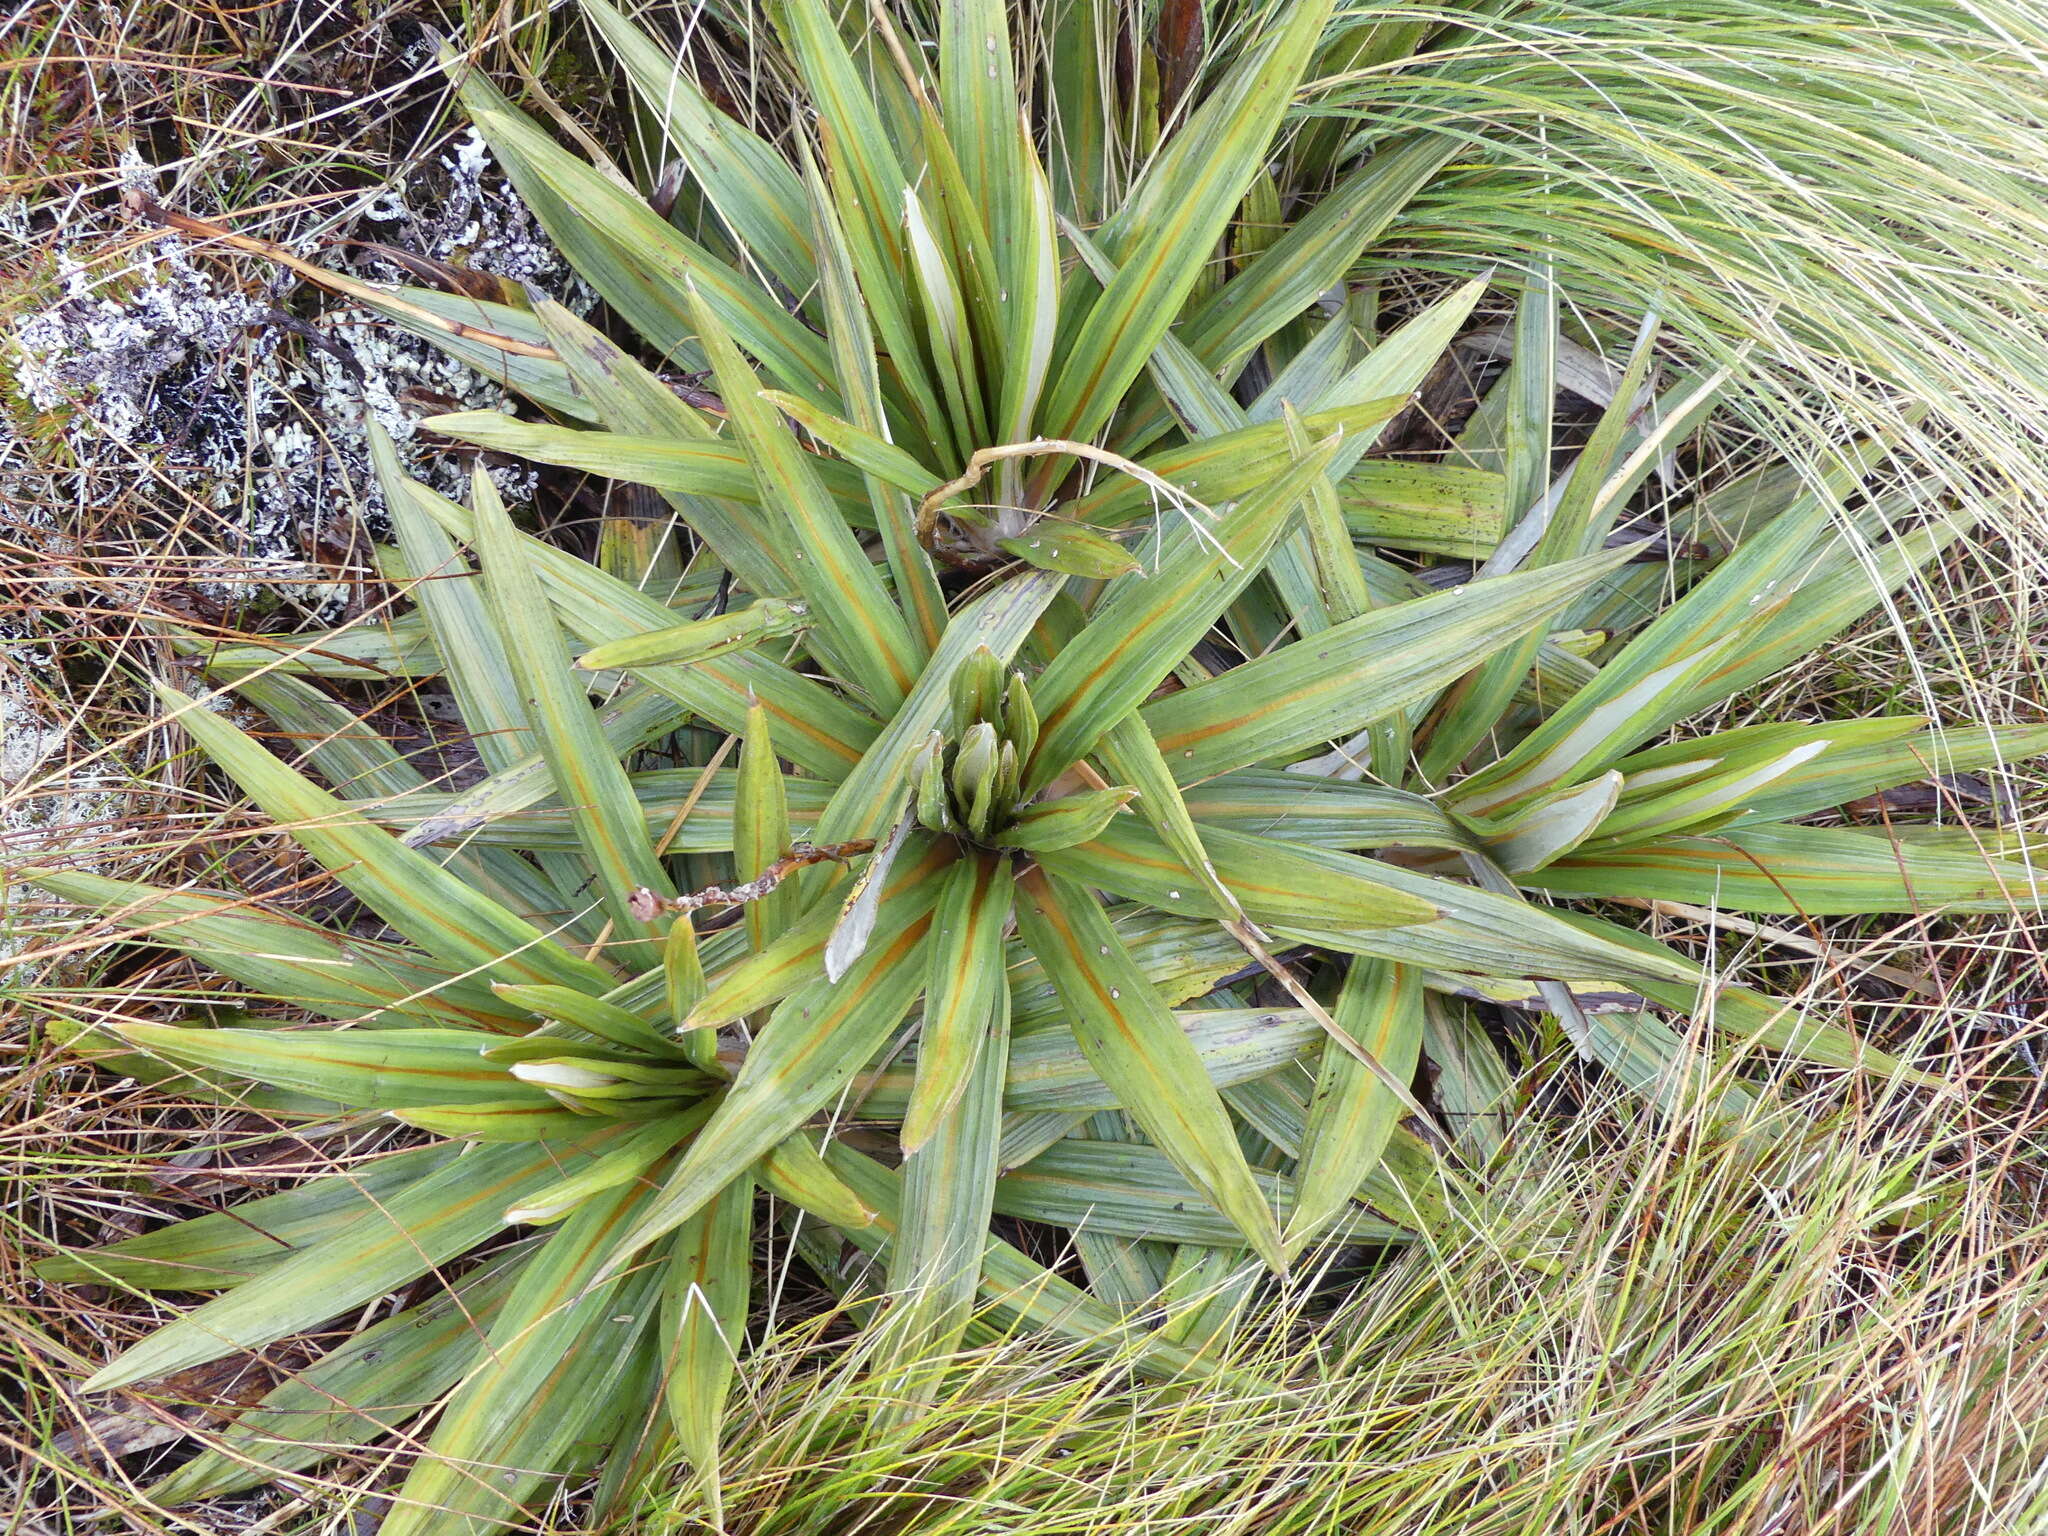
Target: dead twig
column 978, row 465
column 647, row 906
column 145, row 207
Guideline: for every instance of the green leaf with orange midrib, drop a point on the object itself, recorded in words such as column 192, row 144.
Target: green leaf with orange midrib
column 1133, row 1041
column 432, row 1220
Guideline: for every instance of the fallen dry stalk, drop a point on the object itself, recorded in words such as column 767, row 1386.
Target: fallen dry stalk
column 201, row 229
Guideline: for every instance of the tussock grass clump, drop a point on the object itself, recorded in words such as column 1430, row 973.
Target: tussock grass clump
column 1856, row 1351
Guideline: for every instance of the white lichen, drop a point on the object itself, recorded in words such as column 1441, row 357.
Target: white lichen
column 171, row 365
column 47, row 804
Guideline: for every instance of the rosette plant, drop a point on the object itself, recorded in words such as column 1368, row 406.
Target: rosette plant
column 1039, row 781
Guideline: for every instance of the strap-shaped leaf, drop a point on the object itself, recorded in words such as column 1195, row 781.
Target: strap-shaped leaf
column 1312, row 370
column 1184, row 958
column 1354, row 673
column 1071, row 551
column 556, row 1354
column 372, row 1068
column 1812, row 871
column 1133, row 757
column 1048, row 1071
column 761, row 830
column 1547, row 829
column 978, row 94
column 1165, row 236
column 97, row 1046
column 1712, row 526
column 223, row 1249
column 948, row 327
column 1131, row 1039
column 397, row 647
column 1326, row 540
column 867, row 183
column 1657, row 771
column 1084, row 166
column 1528, row 429
column 358, row 1392
column 859, row 629
column 1396, row 367
column 1584, row 509
column 630, row 1439
column 1434, row 509
column 1064, row 821
column 772, row 618
column 703, row 467
column 859, row 446
column 633, row 402
column 640, row 262
column 403, row 1236
column 587, row 773
column 1474, row 1087
column 814, row 728
column 962, row 996
column 867, row 422
column 508, row 1119
column 407, row 889
column 1313, row 254
column 473, row 659
column 705, row 1284
column 742, row 175
column 1352, row 1116
column 1221, row 466
column 542, row 380
column 804, row 1057
column 1474, row 931
column 1308, row 259
column 794, row 1169
column 1029, row 258
column 1573, row 519
column 1787, row 590
column 855, row 923
column 1026, row 1135
column 1147, row 621
column 1852, row 768
column 1126, row 1189
column 637, row 716
column 1197, row 399
column 951, row 1133
column 661, row 793
column 628, row 1160
column 1269, row 882
column 1654, row 1059
column 1713, row 800
column 1330, row 813
column 288, row 958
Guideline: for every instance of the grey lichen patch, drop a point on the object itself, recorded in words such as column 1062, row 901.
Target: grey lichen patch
column 49, row 803
column 157, row 366
column 177, row 423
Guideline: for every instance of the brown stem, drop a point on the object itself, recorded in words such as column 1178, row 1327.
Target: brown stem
column 978, row 466
column 333, row 282
column 647, row 906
